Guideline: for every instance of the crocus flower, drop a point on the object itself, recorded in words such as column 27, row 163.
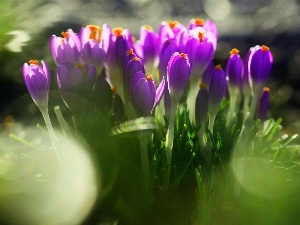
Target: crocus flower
column 201, row 48
column 66, row 48
column 263, row 105
column 216, row 93
column 118, row 46
column 202, row 105
column 260, row 64
column 206, row 76
column 133, row 66
column 73, row 80
column 208, row 25
column 168, row 49
column 147, row 46
column 144, row 94
column 92, row 46
column 37, row 80
column 235, row 69
column 178, row 73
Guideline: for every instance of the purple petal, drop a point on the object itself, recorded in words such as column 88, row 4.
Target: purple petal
column 159, row 92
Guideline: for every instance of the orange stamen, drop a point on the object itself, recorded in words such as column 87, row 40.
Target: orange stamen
column 148, row 77
column 33, row 62
column 218, row 67
column 201, row 36
column 173, row 23
column 198, row 22
column 130, row 51
column 266, row 89
column 264, row 48
column 114, row 89
column 65, row 34
column 203, row 86
column 96, row 32
column 117, row 31
column 183, row 55
column 234, row 51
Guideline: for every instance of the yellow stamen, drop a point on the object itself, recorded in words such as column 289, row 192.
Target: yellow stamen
column 79, row 65
column 266, row 89
column 148, row 27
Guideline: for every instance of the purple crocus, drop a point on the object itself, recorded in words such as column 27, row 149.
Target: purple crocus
column 217, row 88
column 260, row 64
column 75, row 79
column 201, row 48
column 37, row 80
column 118, row 46
column 144, row 94
column 208, row 25
column 202, row 105
column 133, row 66
column 147, row 46
column 263, row 105
column 216, row 93
column 92, row 46
column 178, row 74
column 66, row 48
column 168, row 49
column 235, row 69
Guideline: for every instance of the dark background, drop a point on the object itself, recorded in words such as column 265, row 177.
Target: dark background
column 241, row 24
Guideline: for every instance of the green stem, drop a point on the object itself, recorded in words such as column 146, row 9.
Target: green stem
column 145, row 136
column 169, row 144
column 53, row 137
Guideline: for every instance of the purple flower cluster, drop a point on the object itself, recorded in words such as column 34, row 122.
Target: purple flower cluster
column 182, row 55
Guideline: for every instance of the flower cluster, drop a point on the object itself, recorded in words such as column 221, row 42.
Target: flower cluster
column 124, row 78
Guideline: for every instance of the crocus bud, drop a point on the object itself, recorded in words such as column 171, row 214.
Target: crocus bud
column 168, row 49
column 133, row 66
column 178, row 72
column 260, row 64
column 37, row 80
column 263, row 104
column 217, row 89
column 235, row 69
column 66, row 48
column 202, row 105
column 144, row 94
